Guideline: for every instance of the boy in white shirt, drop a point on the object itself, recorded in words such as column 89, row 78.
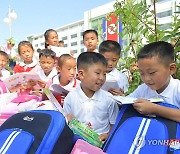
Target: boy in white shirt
column 111, row 51
column 88, row 103
column 156, row 67
column 90, row 39
column 47, row 59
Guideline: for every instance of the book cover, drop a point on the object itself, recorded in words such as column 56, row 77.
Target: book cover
column 20, row 79
column 110, row 84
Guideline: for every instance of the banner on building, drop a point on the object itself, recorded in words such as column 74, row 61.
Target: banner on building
column 111, row 28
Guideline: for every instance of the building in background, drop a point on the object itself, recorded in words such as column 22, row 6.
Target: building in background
column 71, row 34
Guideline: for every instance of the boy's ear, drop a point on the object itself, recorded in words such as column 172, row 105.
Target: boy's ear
column 172, row 68
column 58, row 68
column 80, row 74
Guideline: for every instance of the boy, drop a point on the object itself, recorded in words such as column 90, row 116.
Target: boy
column 3, row 62
column 90, row 39
column 111, row 51
column 156, row 67
column 47, row 59
column 88, row 103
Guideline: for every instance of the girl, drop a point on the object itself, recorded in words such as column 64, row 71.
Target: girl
column 26, row 51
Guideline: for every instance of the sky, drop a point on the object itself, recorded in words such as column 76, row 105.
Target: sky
column 36, row 16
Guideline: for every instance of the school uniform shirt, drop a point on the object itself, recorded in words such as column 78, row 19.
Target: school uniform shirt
column 47, row 78
column 120, row 77
column 170, row 95
column 70, row 86
column 98, row 112
column 22, row 67
column 5, row 74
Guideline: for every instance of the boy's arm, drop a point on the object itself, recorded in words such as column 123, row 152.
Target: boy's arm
column 146, row 107
column 103, row 137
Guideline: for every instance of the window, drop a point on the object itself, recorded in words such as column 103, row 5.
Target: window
column 165, row 26
column 82, row 42
column 42, row 44
column 75, row 51
column 36, row 45
column 73, row 35
column 73, row 43
column 82, row 50
column 65, row 45
column 64, row 38
column 164, row 14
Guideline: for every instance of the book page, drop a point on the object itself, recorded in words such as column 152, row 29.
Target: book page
column 19, row 79
column 59, row 89
column 111, row 84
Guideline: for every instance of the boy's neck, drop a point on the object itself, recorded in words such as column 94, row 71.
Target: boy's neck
column 88, row 93
column 28, row 62
column 63, row 82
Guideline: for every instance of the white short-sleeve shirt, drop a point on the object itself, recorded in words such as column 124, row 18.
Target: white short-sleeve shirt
column 120, row 77
column 70, row 86
column 47, row 78
column 170, row 95
column 97, row 112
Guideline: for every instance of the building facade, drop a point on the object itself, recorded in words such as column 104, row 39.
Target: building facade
column 71, row 34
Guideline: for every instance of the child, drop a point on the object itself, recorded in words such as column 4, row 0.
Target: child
column 47, row 59
column 52, row 42
column 88, row 103
column 26, row 51
column 156, row 67
column 90, row 39
column 4, row 59
column 67, row 74
column 111, row 51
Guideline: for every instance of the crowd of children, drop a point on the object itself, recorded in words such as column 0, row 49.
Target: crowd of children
column 84, row 77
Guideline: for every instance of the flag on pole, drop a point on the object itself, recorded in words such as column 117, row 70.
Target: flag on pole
column 111, row 28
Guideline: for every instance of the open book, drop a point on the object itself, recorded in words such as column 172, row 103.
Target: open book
column 53, row 100
column 58, row 89
column 130, row 100
column 110, row 84
column 20, row 79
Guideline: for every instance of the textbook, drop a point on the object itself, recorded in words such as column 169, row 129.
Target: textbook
column 110, row 84
column 20, row 79
column 58, row 89
column 53, row 100
column 130, row 100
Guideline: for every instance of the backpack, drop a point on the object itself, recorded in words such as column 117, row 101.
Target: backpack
column 40, row 132
column 136, row 133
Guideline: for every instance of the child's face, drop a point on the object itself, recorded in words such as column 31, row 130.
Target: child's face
column 53, row 39
column 3, row 61
column 68, row 69
column 154, row 73
column 26, row 53
column 47, row 64
column 90, row 41
column 92, row 78
column 112, row 59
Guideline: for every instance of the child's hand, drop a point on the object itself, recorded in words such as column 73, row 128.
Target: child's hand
column 69, row 117
column 144, row 106
column 119, row 92
column 103, row 137
column 31, row 83
column 41, row 83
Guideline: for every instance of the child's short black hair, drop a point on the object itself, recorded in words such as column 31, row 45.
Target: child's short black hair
column 23, row 43
column 110, row 46
column 163, row 50
column 62, row 58
column 47, row 53
column 87, row 59
column 90, row 31
column 2, row 53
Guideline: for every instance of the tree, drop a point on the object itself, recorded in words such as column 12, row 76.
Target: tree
column 140, row 25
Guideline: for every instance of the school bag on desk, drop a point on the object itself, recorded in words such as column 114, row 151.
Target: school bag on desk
column 40, row 132
column 134, row 133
